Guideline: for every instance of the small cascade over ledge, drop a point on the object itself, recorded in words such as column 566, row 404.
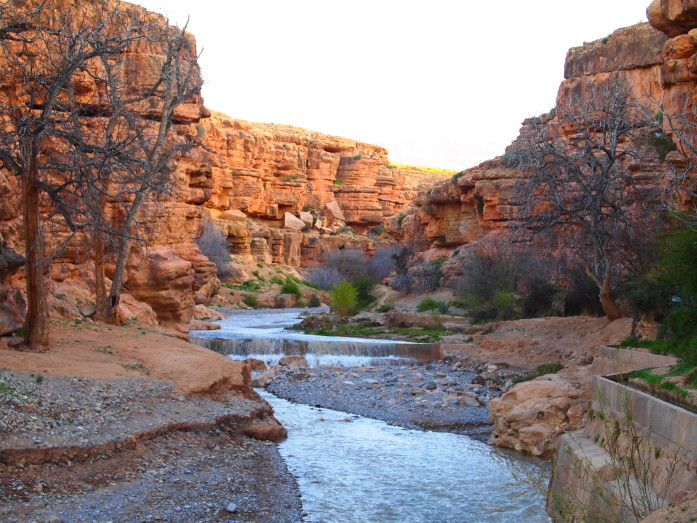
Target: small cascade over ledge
column 263, row 334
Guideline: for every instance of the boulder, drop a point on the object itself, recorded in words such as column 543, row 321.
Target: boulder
column 530, row 416
column 200, row 325
column 233, row 215
column 307, row 218
column 334, row 213
column 264, row 378
column 292, row 222
column 201, row 312
column 255, row 364
column 293, row 362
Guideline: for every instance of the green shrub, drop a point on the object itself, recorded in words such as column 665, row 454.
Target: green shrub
column 538, row 298
column 363, row 284
column 251, row 285
column 505, row 303
column 662, row 143
column 344, row 300
column 429, row 304
column 251, row 300
column 314, row 301
column 290, row 286
column 377, row 230
column 277, row 280
column 386, row 307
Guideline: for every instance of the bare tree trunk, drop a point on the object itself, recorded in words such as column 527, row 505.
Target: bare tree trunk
column 117, row 280
column 36, row 327
column 99, row 283
column 124, row 252
column 608, row 302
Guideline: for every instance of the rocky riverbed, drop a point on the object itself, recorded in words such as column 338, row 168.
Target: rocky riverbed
column 78, row 449
column 442, row 395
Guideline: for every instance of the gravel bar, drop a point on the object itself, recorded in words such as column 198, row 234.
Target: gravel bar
column 437, row 396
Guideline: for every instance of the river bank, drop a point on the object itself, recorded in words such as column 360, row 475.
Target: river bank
column 115, row 441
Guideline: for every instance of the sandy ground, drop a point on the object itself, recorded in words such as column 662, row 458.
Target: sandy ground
column 99, row 351
column 525, row 344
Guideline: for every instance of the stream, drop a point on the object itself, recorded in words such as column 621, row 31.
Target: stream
column 356, row 469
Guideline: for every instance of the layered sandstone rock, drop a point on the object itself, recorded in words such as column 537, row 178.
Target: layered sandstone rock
column 481, row 199
column 11, row 300
column 253, row 179
column 268, row 170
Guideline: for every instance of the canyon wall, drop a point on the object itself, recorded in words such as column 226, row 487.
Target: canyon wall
column 279, row 193
column 661, row 72
column 284, row 194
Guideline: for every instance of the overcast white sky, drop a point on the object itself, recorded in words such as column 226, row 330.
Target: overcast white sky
column 441, row 83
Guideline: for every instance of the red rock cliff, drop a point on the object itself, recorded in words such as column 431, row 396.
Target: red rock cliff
column 658, row 70
column 259, row 181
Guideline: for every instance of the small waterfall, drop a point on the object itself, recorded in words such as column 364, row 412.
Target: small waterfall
column 264, row 335
column 270, row 350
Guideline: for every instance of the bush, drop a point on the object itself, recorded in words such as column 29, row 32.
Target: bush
column 505, row 304
column 385, row 308
column 251, row 300
column 344, row 300
column 426, row 278
column 538, row 298
column 314, row 301
column 363, row 285
column 429, row 304
column 213, row 245
column 501, row 281
column 325, row 277
column 380, row 265
column 291, row 287
column 276, row 279
column 348, row 262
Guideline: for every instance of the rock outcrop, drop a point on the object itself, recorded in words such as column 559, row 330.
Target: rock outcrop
column 283, row 194
column 530, row 416
column 657, row 70
column 11, row 300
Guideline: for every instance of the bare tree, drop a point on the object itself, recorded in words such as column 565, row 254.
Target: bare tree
column 576, row 184
column 79, row 132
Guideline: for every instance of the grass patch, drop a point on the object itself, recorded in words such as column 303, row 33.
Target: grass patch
column 647, row 376
column 251, row 300
column 411, row 333
column 290, row 286
column 429, row 304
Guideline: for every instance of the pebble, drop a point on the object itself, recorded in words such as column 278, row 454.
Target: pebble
column 231, row 508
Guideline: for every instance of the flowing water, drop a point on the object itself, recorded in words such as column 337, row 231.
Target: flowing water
column 355, row 469
column 263, row 335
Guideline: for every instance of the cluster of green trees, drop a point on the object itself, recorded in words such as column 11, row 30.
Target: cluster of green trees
column 90, row 136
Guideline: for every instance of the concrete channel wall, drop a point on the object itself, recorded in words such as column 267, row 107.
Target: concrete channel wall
column 585, row 484
column 660, row 418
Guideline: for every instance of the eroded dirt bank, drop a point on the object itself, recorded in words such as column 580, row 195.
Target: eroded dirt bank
column 76, row 446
